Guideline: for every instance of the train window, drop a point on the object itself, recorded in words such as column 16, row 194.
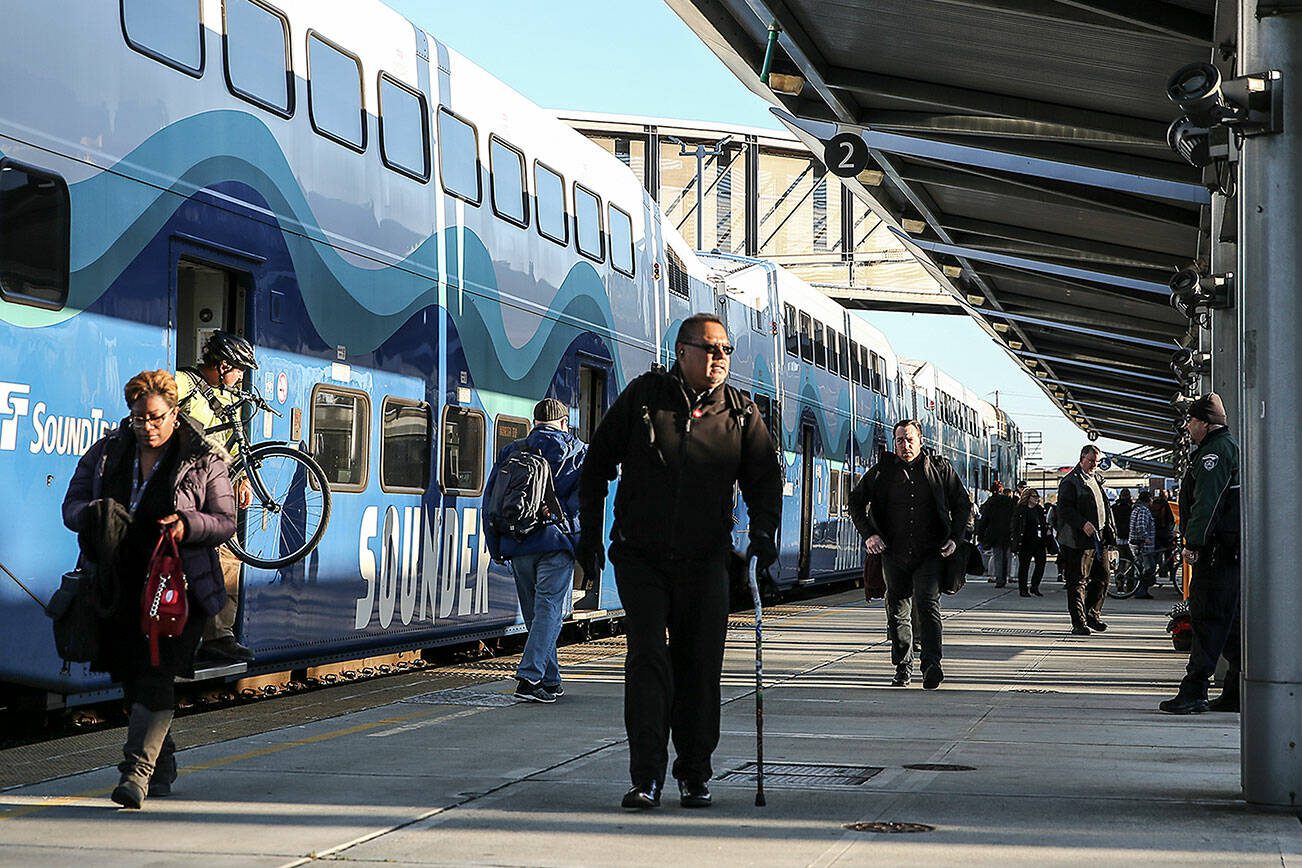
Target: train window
column 463, row 451
column 878, row 385
column 833, row 361
column 759, row 321
column 806, row 337
column 340, row 436
column 766, row 408
column 847, row 485
column 549, row 187
column 879, row 374
column 169, row 31
column 621, row 241
column 459, row 157
column 34, row 236
column 678, row 282
column 404, row 129
column 791, row 329
column 334, row 92
column 834, row 495
column 508, row 430
column 856, row 372
column 257, row 55
column 587, row 223
column 865, row 367
column 406, row 429
column 843, row 351
column 506, row 179
column 820, row 345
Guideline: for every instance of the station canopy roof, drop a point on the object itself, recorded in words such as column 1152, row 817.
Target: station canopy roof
column 1020, row 147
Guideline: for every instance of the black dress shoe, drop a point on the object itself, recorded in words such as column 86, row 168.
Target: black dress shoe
column 693, row 795
column 642, row 796
column 1080, row 630
column 1096, row 625
column 224, row 649
column 1183, row 705
column 1036, row 591
column 903, row 675
column 1023, row 593
column 932, row 676
column 1224, row 703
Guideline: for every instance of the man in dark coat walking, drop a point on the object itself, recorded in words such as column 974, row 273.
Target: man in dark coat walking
column 1084, row 526
column 995, row 530
column 912, row 509
column 681, row 441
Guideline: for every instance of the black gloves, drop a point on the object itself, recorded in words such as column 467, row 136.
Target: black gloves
column 765, row 553
column 591, row 558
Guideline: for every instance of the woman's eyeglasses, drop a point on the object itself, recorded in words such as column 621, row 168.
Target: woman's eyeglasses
column 152, row 421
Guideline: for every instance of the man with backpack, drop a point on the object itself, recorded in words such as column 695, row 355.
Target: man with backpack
column 531, row 510
column 203, row 392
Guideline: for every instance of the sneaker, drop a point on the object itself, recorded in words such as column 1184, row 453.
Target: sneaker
column 1096, row 625
column 225, row 649
column 642, row 796
column 932, row 676
column 1080, row 630
column 693, row 795
column 903, row 675
column 555, row 690
column 532, row 691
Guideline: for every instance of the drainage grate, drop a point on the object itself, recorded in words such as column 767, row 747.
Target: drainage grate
column 939, row 767
column 1016, row 631
column 464, row 696
column 806, row 775
column 1030, row 690
column 889, row 828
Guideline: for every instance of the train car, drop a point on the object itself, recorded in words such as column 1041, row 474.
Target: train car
column 418, row 254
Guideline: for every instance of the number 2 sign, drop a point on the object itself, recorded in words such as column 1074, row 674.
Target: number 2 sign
column 846, row 155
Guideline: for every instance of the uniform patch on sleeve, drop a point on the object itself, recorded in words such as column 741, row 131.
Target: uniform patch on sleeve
column 1209, row 461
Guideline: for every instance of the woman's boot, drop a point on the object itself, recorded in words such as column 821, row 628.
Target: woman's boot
column 146, row 732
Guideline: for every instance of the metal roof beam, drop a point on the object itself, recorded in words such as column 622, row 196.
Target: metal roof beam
column 1162, row 165
column 1166, row 346
column 1133, row 396
column 970, row 158
column 1189, row 26
column 1061, row 360
column 1153, row 15
column 1067, row 243
column 1023, row 264
column 1136, row 413
column 956, row 124
column 949, row 99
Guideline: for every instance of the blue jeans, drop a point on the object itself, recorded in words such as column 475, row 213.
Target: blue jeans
column 543, row 582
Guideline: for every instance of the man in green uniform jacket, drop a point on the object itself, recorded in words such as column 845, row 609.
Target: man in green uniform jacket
column 1209, row 516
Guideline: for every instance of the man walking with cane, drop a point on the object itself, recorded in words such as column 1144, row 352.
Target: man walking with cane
column 680, row 440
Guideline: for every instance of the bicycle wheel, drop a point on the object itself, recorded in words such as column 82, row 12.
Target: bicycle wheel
column 1125, row 580
column 284, row 525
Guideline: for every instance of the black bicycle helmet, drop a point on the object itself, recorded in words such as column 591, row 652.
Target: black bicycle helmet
column 230, row 348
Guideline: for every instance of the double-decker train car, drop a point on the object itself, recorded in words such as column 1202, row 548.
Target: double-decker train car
column 418, row 254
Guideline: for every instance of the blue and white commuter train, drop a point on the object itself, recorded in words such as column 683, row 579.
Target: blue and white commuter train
column 418, row 254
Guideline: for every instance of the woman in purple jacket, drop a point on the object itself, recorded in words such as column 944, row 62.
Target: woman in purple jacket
column 155, row 474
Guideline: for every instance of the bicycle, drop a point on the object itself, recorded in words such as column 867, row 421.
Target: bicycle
column 291, row 496
column 1124, row 581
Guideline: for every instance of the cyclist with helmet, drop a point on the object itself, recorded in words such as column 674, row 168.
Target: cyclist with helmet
column 203, row 392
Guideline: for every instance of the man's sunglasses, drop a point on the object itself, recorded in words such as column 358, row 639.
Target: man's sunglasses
column 712, row 349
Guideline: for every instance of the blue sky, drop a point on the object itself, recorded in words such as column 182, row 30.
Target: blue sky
column 637, row 57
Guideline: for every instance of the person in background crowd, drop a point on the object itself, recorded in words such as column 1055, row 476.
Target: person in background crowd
column 543, row 562
column 1121, row 514
column 156, row 474
column 1084, row 525
column 1209, row 508
column 1164, row 519
column 1143, row 543
column 1030, row 536
column 203, row 392
column 995, row 530
column 911, row 508
column 681, row 442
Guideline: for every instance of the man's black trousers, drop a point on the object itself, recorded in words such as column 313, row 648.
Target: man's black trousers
column 1025, row 556
column 909, row 586
column 1214, row 616
column 1085, row 594
column 673, row 686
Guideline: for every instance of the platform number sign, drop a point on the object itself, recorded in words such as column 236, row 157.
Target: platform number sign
column 846, row 154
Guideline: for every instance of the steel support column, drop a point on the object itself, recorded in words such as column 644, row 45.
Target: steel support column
column 1271, row 364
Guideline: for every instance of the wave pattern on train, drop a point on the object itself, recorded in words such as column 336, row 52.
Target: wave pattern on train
column 419, row 254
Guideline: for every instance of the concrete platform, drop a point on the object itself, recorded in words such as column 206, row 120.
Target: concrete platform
column 1070, row 763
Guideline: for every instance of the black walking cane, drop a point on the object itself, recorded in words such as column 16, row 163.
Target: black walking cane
column 753, row 579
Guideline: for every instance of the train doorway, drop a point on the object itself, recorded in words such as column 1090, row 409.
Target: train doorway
column 806, row 498
column 208, row 298
column 592, row 399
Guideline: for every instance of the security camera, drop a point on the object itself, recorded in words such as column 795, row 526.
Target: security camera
column 1196, row 89
column 1181, row 402
column 1189, row 362
column 1195, row 294
column 1190, row 142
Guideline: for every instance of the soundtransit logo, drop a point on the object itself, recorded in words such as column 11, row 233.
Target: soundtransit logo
column 13, row 402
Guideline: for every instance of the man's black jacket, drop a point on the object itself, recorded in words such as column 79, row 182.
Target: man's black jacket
column 678, row 465
column 1076, row 505
column 995, row 526
column 953, row 506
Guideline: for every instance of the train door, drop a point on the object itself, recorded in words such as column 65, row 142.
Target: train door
column 806, row 498
column 208, row 298
column 594, row 380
